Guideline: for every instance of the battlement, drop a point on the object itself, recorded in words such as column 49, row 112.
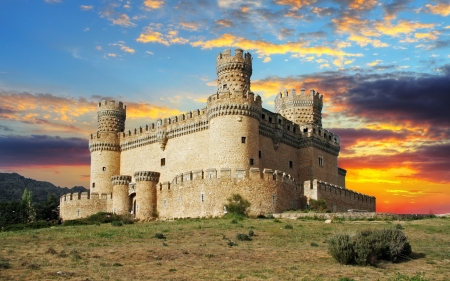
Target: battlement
column 120, row 180
column 238, row 103
column 83, row 196
column 300, row 108
column 111, row 105
column 225, row 58
column 338, row 196
column 227, row 174
column 146, row 176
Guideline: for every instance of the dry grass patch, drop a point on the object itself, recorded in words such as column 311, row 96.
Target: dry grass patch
column 198, row 249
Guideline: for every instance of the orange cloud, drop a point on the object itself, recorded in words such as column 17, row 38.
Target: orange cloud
column 295, row 4
column 428, row 35
column 364, row 41
column 265, row 49
column 149, row 111
column 224, row 22
column 442, row 9
column 362, row 4
column 153, row 4
column 151, row 36
column 402, row 26
column 123, row 47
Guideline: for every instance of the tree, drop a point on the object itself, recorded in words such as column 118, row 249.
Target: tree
column 27, row 198
column 237, row 205
column 47, row 210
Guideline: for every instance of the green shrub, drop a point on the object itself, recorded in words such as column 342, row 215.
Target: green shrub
column 116, row 223
column 160, row 236
column 237, row 205
column 251, row 233
column 288, row 226
column 313, row 244
column 4, row 264
column 367, row 246
column 318, row 205
column 340, row 247
column 243, row 237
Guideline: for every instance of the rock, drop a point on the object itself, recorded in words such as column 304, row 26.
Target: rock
column 328, row 221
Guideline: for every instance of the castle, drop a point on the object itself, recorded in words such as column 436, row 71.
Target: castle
column 188, row 165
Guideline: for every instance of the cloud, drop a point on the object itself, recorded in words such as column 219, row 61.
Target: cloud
column 98, row 48
column 267, row 59
column 43, row 150
column 112, row 55
column 265, row 48
column 442, row 9
column 223, row 23
column 86, row 8
column 192, row 26
column 236, row 3
column 427, row 35
column 364, row 41
column 151, row 36
column 147, row 110
column 295, row 4
column 33, row 108
column 123, row 20
column 376, row 62
column 123, row 47
column 362, row 4
column 153, row 4
column 402, row 27
column 149, row 53
column 5, row 128
column 392, row 9
column 116, row 18
column 428, row 163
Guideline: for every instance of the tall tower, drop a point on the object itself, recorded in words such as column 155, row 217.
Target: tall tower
column 305, row 108
column 105, row 145
column 234, row 113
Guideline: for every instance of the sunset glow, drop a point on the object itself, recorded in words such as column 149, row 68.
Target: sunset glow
column 382, row 66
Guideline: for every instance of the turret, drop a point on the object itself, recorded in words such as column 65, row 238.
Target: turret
column 105, row 145
column 234, row 112
column 146, row 194
column 302, row 108
column 121, row 202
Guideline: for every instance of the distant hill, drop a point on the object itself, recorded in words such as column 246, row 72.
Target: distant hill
column 13, row 185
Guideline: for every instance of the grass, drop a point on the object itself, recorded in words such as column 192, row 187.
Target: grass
column 198, row 249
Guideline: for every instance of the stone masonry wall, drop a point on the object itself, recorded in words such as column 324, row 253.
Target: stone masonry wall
column 339, row 199
column 80, row 205
column 203, row 194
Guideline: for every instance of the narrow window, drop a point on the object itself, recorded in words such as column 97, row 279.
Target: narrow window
column 202, row 197
column 104, row 168
column 263, row 116
column 259, row 154
column 289, row 128
column 163, row 161
column 270, row 119
column 290, row 164
column 305, row 130
column 279, row 121
column 274, row 199
column 93, row 184
column 165, row 203
column 321, row 161
column 251, row 161
column 243, row 139
column 78, row 211
column 294, row 129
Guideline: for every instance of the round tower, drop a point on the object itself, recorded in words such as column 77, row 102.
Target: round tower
column 303, row 108
column 146, row 194
column 121, row 201
column 105, row 145
column 234, row 113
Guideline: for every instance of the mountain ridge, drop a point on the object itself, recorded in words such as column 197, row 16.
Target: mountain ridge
column 12, row 186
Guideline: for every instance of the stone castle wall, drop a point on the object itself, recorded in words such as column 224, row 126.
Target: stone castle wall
column 203, row 193
column 80, row 205
column 338, row 199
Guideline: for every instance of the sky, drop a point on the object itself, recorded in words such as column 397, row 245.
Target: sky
column 382, row 66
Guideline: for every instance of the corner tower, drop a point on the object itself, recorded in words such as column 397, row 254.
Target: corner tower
column 105, row 145
column 303, row 108
column 234, row 113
